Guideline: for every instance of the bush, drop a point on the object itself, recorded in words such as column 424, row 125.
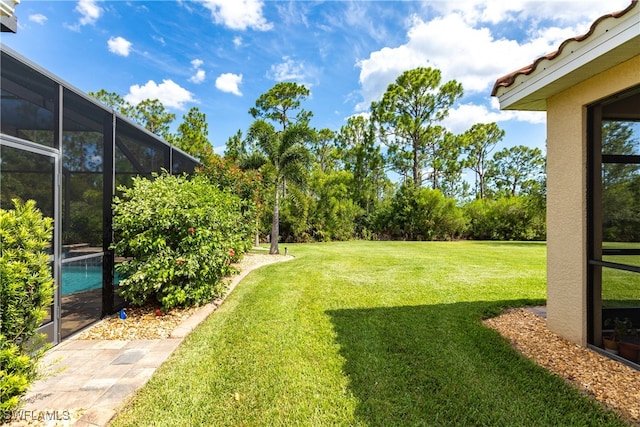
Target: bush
column 180, row 235
column 296, row 225
column 508, row 218
column 417, row 213
column 246, row 184
column 17, row 371
column 26, row 290
column 336, row 212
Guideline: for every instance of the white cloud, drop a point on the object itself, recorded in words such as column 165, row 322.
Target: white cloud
column 496, row 11
column 200, row 74
column 292, row 70
column 238, row 14
column 229, row 82
column 461, row 44
column 89, row 10
column 159, row 39
column 237, row 41
column 463, row 116
column 38, row 18
column 198, row 77
column 168, row 93
column 119, row 46
column 472, row 56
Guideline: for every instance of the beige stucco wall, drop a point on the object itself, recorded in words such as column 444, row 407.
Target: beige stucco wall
column 566, row 197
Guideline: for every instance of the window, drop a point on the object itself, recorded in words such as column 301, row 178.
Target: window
column 614, row 206
column 29, row 103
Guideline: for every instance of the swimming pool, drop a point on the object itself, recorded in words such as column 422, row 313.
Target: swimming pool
column 82, row 278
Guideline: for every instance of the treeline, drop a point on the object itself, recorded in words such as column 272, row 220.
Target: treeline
column 393, row 173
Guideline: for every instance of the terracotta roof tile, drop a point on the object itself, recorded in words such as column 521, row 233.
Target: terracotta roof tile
column 510, row 78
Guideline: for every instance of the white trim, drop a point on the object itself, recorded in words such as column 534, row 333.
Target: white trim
column 34, row 147
column 7, row 7
column 578, row 61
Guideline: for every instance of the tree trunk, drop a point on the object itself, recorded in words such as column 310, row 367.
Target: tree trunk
column 256, row 243
column 417, row 178
column 275, row 223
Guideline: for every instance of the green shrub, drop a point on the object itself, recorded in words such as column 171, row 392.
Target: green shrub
column 247, row 184
column 508, row 218
column 336, row 212
column 417, row 213
column 180, row 235
column 26, row 290
column 296, row 225
column 17, row 371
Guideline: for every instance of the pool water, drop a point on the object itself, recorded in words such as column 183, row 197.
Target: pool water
column 81, row 279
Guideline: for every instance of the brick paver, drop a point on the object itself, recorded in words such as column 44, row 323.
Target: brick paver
column 96, row 377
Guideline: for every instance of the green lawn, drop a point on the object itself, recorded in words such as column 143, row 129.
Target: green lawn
column 368, row 334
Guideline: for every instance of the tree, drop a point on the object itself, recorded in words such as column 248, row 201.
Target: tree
column 505, row 218
column 192, row 135
column 516, row 168
column 620, row 184
column 285, row 153
column 235, row 148
column 149, row 113
column 226, row 175
column 362, row 157
column 405, row 116
column 286, row 158
column 114, row 101
column 478, row 142
column 335, row 211
column 444, row 152
column 418, row 213
column 324, row 150
column 154, row 117
column 279, row 102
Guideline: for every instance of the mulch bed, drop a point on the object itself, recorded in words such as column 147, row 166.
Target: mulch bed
column 608, row 381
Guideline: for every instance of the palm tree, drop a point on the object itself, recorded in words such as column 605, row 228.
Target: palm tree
column 286, row 160
column 284, row 151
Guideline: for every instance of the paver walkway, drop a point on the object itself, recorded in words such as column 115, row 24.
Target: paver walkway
column 96, row 376
column 87, row 381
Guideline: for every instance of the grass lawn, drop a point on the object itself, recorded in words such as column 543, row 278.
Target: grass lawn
column 368, row 334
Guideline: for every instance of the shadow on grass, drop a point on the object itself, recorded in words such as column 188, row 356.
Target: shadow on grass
column 438, row 365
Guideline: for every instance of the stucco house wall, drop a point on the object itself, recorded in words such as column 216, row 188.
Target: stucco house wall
column 567, row 199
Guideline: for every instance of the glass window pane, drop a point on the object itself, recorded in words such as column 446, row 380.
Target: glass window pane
column 82, row 184
column 26, row 175
column 620, row 288
column 137, row 152
column 620, row 203
column 81, row 291
column 182, row 164
column 28, row 103
column 620, row 137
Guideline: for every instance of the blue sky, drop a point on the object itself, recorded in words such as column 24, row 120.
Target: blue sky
column 221, row 55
